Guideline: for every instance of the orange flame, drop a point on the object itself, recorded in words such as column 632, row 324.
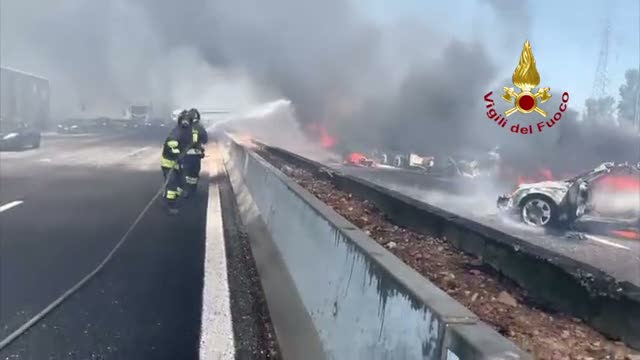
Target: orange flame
column 356, row 158
column 620, row 183
column 320, row 132
column 326, row 141
column 543, row 174
column 627, row 234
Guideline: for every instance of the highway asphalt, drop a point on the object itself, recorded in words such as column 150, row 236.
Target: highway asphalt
column 617, row 257
column 63, row 207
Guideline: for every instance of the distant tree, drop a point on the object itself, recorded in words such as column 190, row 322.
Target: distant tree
column 628, row 97
column 600, row 111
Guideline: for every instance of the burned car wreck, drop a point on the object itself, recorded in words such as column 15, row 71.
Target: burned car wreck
column 558, row 203
column 378, row 159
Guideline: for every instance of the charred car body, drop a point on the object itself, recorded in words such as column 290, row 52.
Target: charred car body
column 358, row 159
column 407, row 161
column 454, row 166
column 390, row 160
column 553, row 203
column 413, row 162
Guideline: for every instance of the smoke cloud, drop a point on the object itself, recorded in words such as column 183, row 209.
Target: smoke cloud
column 400, row 86
column 102, row 56
column 326, row 57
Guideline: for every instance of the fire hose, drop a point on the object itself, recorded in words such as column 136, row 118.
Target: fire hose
column 42, row 314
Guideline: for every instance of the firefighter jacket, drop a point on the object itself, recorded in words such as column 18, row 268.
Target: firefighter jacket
column 199, row 137
column 175, row 146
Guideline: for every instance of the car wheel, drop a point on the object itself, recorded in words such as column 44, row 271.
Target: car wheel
column 398, row 161
column 538, row 211
column 36, row 144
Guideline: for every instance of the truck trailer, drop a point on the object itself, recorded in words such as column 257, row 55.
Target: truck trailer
column 24, row 99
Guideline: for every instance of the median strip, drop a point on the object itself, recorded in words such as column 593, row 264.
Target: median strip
column 498, row 302
column 216, row 339
column 324, row 280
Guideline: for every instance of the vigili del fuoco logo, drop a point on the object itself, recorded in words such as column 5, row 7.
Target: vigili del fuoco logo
column 527, row 101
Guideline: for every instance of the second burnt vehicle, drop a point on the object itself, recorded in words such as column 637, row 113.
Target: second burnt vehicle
column 563, row 202
column 406, row 161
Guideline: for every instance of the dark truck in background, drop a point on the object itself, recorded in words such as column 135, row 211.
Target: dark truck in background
column 24, row 109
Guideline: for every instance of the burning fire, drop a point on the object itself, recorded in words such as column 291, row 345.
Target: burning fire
column 356, row 158
column 620, row 183
column 543, row 174
column 627, row 234
column 318, row 131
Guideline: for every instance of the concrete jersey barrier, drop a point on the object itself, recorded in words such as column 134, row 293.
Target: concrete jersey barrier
column 560, row 282
column 344, row 295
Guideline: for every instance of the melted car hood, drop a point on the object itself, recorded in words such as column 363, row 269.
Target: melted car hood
column 554, row 189
column 548, row 185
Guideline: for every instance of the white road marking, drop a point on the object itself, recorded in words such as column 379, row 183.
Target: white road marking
column 136, row 152
column 216, row 339
column 10, row 205
column 47, row 160
column 606, row 242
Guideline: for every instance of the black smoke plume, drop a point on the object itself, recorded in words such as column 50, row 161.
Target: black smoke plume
column 402, row 85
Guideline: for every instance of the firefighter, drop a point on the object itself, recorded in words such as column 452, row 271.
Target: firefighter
column 195, row 154
column 174, row 150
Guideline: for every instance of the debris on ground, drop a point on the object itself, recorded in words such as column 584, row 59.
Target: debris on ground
column 507, row 299
column 495, row 300
column 574, row 235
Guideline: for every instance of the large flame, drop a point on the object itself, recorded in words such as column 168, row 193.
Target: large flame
column 320, row 132
column 326, row 141
column 620, row 183
column 526, row 76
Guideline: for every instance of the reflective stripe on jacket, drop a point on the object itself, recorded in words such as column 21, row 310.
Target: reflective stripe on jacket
column 198, row 137
column 178, row 141
column 166, row 163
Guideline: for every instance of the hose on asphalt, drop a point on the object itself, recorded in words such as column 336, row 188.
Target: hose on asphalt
column 42, row 314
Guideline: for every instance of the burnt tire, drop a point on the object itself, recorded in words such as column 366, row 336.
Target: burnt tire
column 399, row 161
column 539, row 210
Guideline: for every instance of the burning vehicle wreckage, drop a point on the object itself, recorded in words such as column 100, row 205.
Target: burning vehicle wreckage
column 456, row 165
column 390, row 161
column 566, row 203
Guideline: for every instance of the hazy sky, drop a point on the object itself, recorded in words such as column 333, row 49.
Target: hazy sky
column 113, row 58
column 565, row 35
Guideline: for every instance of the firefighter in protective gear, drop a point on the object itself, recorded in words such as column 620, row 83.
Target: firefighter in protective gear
column 195, row 154
column 174, row 150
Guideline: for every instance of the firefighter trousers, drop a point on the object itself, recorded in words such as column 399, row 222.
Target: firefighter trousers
column 191, row 172
column 173, row 186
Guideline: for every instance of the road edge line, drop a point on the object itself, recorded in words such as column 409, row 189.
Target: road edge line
column 216, row 330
